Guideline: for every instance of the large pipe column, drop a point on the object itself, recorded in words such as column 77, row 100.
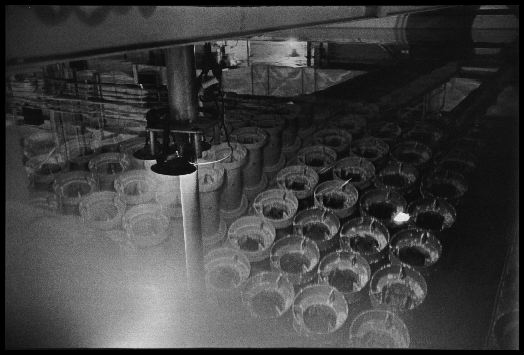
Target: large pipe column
column 181, row 83
column 183, row 108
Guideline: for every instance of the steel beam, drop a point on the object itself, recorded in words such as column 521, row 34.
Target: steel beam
column 40, row 34
column 49, row 34
column 430, row 24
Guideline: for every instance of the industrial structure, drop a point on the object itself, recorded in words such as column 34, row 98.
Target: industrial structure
column 273, row 176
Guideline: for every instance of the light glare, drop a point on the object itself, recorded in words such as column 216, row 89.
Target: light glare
column 401, row 217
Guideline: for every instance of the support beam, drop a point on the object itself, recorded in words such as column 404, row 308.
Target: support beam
column 41, row 34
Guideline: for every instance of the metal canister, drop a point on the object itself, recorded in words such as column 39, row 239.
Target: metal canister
column 347, row 272
column 398, row 177
column 268, row 294
column 106, row 167
column 226, row 271
column 413, row 153
column 417, row 248
column 253, row 236
column 102, row 210
column 360, row 170
column 278, row 206
column 433, row 214
column 384, row 205
column 366, row 236
column 371, row 148
column 300, row 179
column 398, row 288
column 317, row 157
column 70, row 187
column 377, row 328
column 297, row 257
column 319, row 310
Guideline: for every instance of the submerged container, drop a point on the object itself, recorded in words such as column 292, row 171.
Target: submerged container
column 354, row 124
column 373, row 149
column 102, row 210
column 319, row 310
column 268, row 295
column 109, row 144
column 417, row 248
column 297, row 257
column 377, row 328
column 360, row 170
column 44, row 200
column 226, row 271
column 306, row 134
column 277, row 206
column 291, row 116
column 458, row 161
column 253, row 139
column 290, row 151
column 433, row 214
column 384, row 205
column 233, row 202
column 337, row 197
column 167, row 194
column 43, row 169
column 349, row 273
column 70, row 188
column 234, row 120
column 336, row 139
column 130, row 147
column 389, row 132
column 251, row 193
column 427, row 134
column 145, row 225
column 397, row 288
column 106, row 167
column 39, row 143
column 319, row 225
column 274, row 126
column 413, row 153
column 398, row 177
column 253, row 236
column 300, row 179
column 78, row 152
column 319, row 158
column 366, row 236
column 210, row 180
column 135, row 187
column 272, row 171
column 445, row 184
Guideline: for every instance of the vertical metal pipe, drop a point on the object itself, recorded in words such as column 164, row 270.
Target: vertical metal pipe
column 152, row 142
column 308, row 55
column 190, row 201
column 198, row 145
column 216, row 139
column 16, row 179
column 247, row 49
column 181, row 83
column 183, row 106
